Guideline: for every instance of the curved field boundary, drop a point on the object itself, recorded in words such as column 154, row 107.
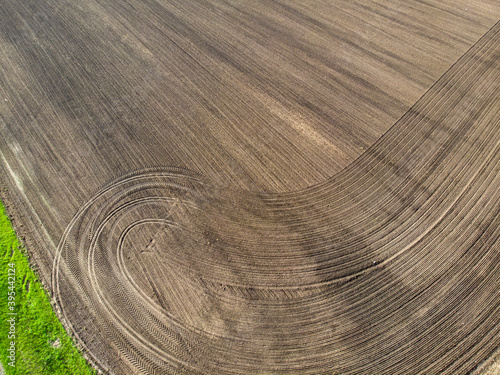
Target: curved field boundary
column 390, row 267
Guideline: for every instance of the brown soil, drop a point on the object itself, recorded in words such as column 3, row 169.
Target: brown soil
column 236, row 187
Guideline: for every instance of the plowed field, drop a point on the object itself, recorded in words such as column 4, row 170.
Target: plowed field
column 227, row 187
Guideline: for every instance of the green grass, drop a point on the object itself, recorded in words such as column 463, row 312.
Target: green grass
column 42, row 346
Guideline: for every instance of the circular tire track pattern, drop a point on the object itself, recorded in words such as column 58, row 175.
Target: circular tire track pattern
column 392, row 266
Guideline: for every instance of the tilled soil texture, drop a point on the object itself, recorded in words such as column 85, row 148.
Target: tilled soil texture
column 242, row 187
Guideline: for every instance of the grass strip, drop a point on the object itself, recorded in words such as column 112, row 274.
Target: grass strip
column 28, row 323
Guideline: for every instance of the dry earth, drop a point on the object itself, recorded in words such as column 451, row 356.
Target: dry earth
column 260, row 187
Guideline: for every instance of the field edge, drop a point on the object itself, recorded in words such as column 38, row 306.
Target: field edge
column 42, row 345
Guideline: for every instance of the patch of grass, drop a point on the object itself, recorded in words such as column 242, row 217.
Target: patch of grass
column 42, row 346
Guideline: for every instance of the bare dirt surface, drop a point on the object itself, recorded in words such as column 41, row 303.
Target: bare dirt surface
column 226, row 188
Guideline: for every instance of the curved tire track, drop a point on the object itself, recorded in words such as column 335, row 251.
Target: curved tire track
column 391, row 267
